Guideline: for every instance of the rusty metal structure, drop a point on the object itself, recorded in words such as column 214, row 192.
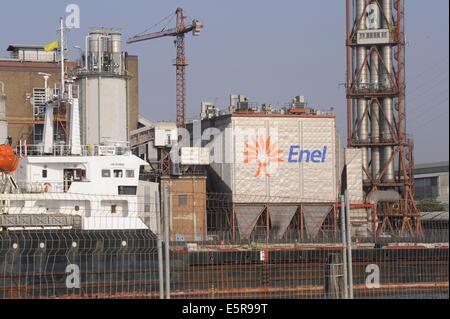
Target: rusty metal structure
column 375, row 40
column 181, row 62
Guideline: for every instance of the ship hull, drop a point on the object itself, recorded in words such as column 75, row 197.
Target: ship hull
column 124, row 264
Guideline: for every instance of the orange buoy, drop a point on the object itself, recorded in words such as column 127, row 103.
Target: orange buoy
column 8, row 160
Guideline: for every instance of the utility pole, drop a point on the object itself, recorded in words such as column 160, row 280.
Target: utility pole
column 349, row 244
column 166, row 223
column 159, row 246
column 344, row 248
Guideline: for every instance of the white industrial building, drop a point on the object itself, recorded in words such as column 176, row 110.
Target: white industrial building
column 275, row 165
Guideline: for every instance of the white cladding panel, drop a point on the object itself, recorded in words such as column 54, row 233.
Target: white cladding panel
column 286, row 181
column 195, row 156
column 353, row 162
column 105, row 110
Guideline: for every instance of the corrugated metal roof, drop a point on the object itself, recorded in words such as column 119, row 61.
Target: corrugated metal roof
column 434, row 216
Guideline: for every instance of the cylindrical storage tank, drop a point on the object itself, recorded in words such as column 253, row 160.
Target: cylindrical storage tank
column 116, row 51
column 116, row 43
column 94, row 45
column 361, row 68
column 387, row 103
column 387, row 10
column 375, row 114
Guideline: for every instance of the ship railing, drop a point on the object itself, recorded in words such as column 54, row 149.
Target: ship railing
column 123, row 148
column 47, row 186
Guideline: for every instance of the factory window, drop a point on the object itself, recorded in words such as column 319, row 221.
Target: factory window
column 130, row 173
column 182, row 200
column 44, row 173
column 106, row 173
column 127, row 190
column 118, row 173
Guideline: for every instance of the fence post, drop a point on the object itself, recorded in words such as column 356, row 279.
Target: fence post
column 344, row 247
column 349, row 245
column 159, row 246
column 166, row 223
column 334, row 277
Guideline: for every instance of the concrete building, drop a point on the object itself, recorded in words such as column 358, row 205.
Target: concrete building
column 431, row 180
column 108, row 100
column 188, row 206
column 277, row 166
column 24, row 89
column 146, row 140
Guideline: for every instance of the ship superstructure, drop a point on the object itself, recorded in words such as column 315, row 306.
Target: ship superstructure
column 75, row 186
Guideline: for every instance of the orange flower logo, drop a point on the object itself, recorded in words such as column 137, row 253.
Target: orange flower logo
column 262, row 152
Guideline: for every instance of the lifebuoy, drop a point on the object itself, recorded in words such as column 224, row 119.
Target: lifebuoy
column 47, row 187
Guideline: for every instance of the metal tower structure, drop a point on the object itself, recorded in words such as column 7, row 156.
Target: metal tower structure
column 375, row 40
column 181, row 61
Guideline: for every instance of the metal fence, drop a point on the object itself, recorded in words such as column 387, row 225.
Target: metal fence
column 201, row 253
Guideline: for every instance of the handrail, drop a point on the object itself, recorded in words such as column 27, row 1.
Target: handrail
column 65, row 150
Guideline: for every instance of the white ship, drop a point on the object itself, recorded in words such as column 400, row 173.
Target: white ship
column 72, row 186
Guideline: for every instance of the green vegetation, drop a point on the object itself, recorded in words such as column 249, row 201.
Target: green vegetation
column 430, row 205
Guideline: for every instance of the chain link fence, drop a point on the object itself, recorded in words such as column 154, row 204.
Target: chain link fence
column 213, row 248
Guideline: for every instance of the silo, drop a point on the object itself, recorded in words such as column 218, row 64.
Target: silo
column 387, row 103
column 116, row 50
column 361, row 67
column 375, row 106
column 104, row 91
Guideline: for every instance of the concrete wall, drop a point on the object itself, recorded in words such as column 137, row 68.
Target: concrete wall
column 104, row 110
column 132, row 65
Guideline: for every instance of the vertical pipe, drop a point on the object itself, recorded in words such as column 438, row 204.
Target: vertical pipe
column 159, row 246
column 363, row 129
column 86, row 51
column 375, row 105
column 375, row 221
column 344, row 248
column 375, row 114
column 387, row 103
column 350, row 109
column 349, row 245
column 167, row 238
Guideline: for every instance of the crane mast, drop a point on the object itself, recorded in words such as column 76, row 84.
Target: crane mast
column 181, row 61
column 181, row 65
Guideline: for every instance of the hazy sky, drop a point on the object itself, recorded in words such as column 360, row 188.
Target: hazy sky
column 267, row 50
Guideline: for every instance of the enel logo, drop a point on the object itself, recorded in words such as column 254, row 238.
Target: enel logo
column 298, row 155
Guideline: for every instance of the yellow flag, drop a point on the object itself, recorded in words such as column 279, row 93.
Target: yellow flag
column 51, row 46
